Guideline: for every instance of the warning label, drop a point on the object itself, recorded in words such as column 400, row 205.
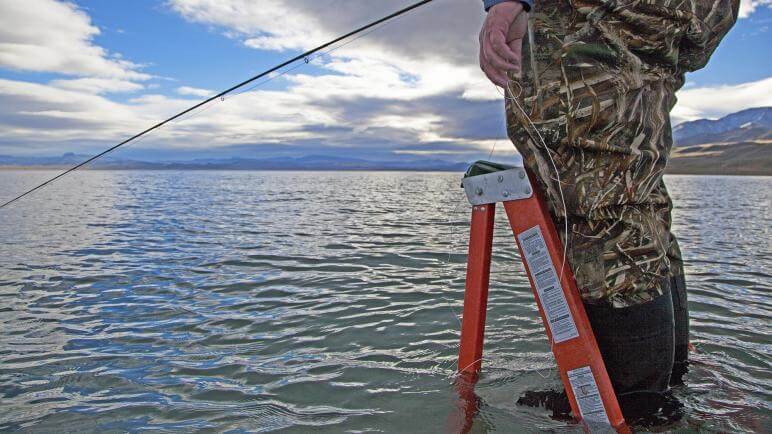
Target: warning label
column 588, row 397
column 551, row 296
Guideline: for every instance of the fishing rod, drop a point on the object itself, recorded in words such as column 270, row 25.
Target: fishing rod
column 223, row 93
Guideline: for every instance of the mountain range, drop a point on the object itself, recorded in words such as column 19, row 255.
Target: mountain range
column 736, row 144
column 748, row 125
column 311, row 162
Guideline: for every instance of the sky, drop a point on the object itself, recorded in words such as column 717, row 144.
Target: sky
column 80, row 76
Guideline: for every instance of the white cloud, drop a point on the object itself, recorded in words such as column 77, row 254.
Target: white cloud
column 39, row 112
column 716, row 101
column 98, row 85
column 413, row 57
column 52, row 36
column 194, row 91
column 417, row 77
column 381, row 78
column 482, row 90
column 413, row 86
column 418, row 44
column 49, row 115
column 269, row 25
column 748, row 7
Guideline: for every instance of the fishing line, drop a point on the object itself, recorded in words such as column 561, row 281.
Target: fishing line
column 513, row 98
column 267, row 72
column 493, row 148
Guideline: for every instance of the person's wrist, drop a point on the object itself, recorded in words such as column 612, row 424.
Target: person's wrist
column 491, row 3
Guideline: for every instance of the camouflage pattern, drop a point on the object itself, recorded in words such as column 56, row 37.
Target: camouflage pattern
column 599, row 80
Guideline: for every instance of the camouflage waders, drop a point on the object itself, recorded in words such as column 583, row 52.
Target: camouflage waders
column 599, row 80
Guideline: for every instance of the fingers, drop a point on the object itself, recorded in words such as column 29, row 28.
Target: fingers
column 493, row 58
column 516, row 46
column 500, row 54
column 497, row 77
column 492, row 63
column 515, row 36
column 495, row 68
column 519, row 28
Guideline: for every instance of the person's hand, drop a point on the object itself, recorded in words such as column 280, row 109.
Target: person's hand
column 501, row 41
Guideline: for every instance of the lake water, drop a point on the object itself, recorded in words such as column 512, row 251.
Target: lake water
column 260, row 301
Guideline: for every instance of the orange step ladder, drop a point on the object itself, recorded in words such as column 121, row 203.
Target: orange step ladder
column 579, row 361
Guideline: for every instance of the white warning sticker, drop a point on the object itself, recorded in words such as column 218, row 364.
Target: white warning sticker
column 588, row 397
column 553, row 300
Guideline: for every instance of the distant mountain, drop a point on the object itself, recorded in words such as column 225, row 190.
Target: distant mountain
column 753, row 124
column 743, row 158
column 66, row 159
column 737, row 144
column 311, row 162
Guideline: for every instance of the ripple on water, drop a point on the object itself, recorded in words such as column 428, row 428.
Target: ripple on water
column 216, row 301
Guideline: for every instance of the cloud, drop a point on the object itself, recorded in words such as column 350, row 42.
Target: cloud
column 49, row 112
column 381, row 71
column 716, row 101
column 302, row 24
column 412, row 87
column 51, row 36
column 194, row 91
column 414, row 56
column 49, row 119
column 748, row 7
column 98, row 85
column 373, row 95
column 272, row 25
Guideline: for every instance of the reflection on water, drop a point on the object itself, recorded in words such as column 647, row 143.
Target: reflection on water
column 268, row 300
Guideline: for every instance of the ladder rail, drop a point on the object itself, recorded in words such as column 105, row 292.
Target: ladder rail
column 476, row 292
column 570, row 334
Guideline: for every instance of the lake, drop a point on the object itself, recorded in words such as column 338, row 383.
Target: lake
column 298, row 301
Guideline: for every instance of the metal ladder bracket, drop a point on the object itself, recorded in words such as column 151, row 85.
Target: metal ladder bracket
column 510, row 184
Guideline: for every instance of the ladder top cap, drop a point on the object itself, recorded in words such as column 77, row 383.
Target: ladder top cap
column 482, row 167
column 486, row 183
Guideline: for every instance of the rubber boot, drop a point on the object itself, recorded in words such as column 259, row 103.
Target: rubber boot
column 681, row 314
column 638, row 347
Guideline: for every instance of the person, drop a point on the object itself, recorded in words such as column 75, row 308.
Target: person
column 589, row 86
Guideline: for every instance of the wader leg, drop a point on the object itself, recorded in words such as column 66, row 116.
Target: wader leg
column 680, row 312
column 638, row 347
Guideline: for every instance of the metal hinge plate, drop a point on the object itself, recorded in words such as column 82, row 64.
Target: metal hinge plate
column 501, row 186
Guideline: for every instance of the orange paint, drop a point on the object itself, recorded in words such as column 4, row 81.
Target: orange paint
column 572, row 353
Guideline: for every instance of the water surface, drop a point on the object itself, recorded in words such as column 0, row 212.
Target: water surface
column 262, row 301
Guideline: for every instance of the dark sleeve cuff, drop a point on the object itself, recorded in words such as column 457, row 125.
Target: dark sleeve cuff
column 490, row 3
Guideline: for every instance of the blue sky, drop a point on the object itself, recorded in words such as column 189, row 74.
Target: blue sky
column 79, row 76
